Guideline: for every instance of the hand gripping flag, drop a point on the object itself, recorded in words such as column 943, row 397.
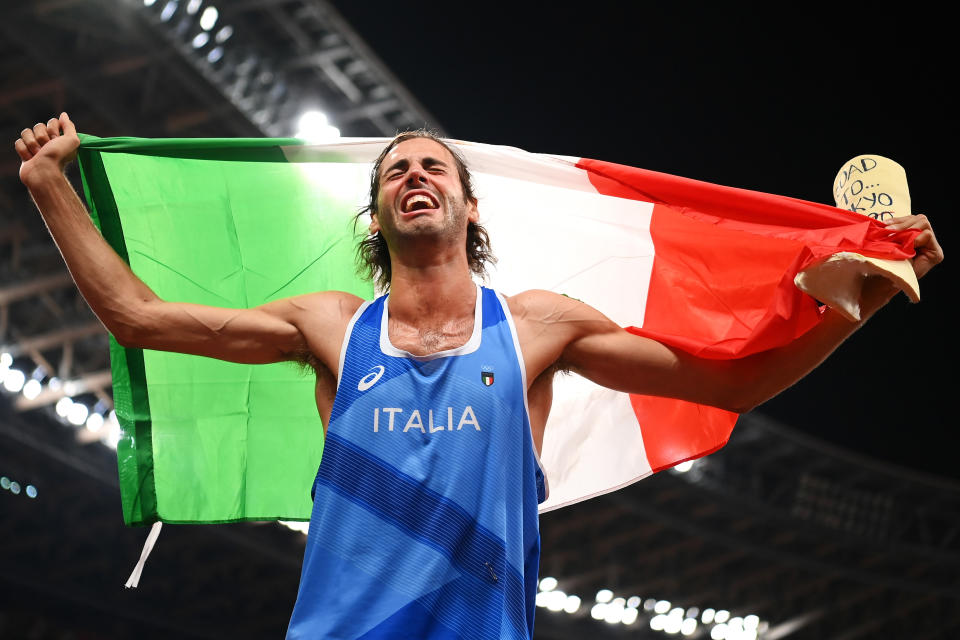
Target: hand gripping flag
column 237, row 223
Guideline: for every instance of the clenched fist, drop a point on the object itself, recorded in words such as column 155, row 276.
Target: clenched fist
column 929, row 251
column 46, row 148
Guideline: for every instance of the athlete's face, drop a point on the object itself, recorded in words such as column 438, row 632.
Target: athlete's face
column 421, row 193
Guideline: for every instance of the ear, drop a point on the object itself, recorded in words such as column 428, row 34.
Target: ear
column 374, row 225
column 473, row 213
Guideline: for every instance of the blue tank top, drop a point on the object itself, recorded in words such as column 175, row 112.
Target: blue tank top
column 424, row 520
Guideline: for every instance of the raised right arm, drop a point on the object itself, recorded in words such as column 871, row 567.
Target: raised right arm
column 131, row 311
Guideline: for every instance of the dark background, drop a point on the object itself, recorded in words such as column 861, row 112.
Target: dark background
column 774, row 99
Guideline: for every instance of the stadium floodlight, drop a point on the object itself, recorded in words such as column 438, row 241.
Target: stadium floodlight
column 314, row 127
column 13, row 380
column 613, row 615
column 200, row 40
column 94, row 422
column 604, row 595
column 63, row 406
column 548, row 583
column 208, row 19
column 168, row 10
column 673, row 624
column 78, row 414
column 556, row 601
column 32, row 388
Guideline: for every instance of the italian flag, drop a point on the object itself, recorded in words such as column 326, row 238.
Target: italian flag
column 240, row 222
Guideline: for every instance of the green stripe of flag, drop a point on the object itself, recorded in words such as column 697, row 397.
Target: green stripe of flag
column 129, row 384
column 229, row 223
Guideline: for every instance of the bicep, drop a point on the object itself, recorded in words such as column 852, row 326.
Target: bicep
column 557, row 331
column 617, row 359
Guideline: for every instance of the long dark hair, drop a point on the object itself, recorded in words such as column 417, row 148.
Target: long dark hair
column 373, row 256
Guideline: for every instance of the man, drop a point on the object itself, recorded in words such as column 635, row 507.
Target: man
column 424, row 522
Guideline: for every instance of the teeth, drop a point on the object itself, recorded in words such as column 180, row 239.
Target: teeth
column 412, row 200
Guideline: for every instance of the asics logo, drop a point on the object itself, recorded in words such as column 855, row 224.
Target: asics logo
column 371, row 378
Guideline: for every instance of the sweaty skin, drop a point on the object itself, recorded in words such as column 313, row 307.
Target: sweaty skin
column 432, row 297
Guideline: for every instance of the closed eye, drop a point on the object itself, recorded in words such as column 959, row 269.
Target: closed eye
column 434, row 165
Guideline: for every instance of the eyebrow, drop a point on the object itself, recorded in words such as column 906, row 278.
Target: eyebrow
column 403, row 163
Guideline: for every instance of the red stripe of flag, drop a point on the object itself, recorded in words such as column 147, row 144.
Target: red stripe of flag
column 722, row 283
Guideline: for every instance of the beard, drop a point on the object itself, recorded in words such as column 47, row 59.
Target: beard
column 442, row 230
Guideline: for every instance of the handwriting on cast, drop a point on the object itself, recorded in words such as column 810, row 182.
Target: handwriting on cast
column 854, row 191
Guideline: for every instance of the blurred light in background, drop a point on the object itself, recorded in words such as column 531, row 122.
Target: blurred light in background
column 313, row 127
column 208, row 19
column 14, row 487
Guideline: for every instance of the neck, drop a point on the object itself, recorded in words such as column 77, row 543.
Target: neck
column 437, row 291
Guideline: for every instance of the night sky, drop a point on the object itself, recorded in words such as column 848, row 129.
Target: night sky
column 761, row 100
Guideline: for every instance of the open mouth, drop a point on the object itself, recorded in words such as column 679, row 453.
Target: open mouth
column 417, row 201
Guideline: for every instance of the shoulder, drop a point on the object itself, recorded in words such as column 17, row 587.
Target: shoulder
column 321, row 319
column 322, row 306
column 550, row 309
column 547, row 323
column 536, row 302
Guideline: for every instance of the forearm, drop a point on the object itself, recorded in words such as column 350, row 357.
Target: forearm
column 759, row 377
column 111, row 289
